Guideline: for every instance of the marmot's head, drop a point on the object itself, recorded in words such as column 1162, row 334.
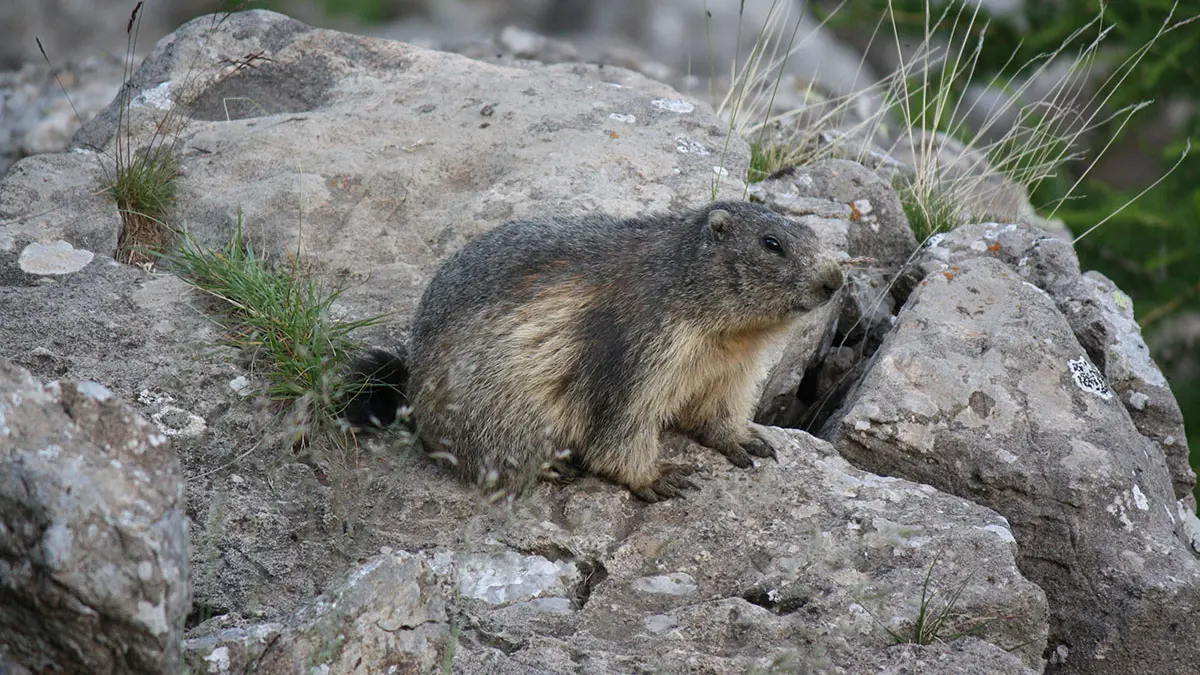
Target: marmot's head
column 772, row 264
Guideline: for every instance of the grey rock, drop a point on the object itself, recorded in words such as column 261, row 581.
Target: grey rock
column 391, row 613
column 809, row 550
column 94, row 557
column 418, row 169
column 983, row 391
column 1101, row 317
column 60, row 197
column 789, row 360
column 1135, row 377
column 36, row 116
column 861, row 211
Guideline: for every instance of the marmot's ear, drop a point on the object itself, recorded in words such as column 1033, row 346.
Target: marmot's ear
column 720, row 222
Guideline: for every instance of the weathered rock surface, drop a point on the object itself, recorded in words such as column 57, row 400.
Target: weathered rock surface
column 396, row 171
column 94, row 558
column 857, row 211
column 801, row 563
column 983, row 391
column 1100, row 315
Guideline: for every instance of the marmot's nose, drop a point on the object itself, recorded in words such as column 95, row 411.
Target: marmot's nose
column 830, row 277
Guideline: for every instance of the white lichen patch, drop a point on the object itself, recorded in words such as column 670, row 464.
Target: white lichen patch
column 53, row 258
column 720, row 171
column 1088, row 378
column 172, row 421
column 241, row 386
column 158, row 98
column 218, row 660
column 56, row 545
column 1139, row 498
column 995, row 230
column 509, row 577
column 1120, row 509
column 686, row 146
column 94, row 390
column 675, row 583
column 1004, row 533
column 674, row 105
column 623, row 118
column 153, row 617
column 659, row 623
column 1138, row 400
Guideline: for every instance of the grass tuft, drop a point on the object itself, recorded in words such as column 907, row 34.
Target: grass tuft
column 929, row 625
column 280, row 315
column 142, row 180
column 921, row 111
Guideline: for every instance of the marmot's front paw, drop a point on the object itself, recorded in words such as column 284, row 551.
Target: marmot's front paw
column 738, row 453
column 760, row 448
column 671, row 483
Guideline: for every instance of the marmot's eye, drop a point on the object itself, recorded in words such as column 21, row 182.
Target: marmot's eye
column 772, row 244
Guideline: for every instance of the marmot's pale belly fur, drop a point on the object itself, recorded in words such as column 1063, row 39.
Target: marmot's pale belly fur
column 592, row 335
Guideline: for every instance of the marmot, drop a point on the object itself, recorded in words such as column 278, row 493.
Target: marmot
column 594, row 334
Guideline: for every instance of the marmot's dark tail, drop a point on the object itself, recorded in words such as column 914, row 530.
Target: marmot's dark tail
column 378, row 385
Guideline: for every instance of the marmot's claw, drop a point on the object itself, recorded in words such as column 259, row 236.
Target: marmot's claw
column 563, row 474
column 737, row 456
column 673, row 481
column 760, row 448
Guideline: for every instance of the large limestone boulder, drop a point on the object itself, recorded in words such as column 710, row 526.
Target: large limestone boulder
column 1100, row 316
column 94, row 558
column 369, row 155
column 983, row 391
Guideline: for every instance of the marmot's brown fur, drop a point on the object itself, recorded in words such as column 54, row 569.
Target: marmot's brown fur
column 592, row 335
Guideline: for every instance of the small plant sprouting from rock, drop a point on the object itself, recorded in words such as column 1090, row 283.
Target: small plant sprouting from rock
column 142, row 180
column 280, row 315
column 929, row 626
column 929, row 213
column 141, row 175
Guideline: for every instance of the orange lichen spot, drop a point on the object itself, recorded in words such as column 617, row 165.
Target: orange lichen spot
column 613, row 134
column 855, row 214
column 994, row 247
column 949, row 275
